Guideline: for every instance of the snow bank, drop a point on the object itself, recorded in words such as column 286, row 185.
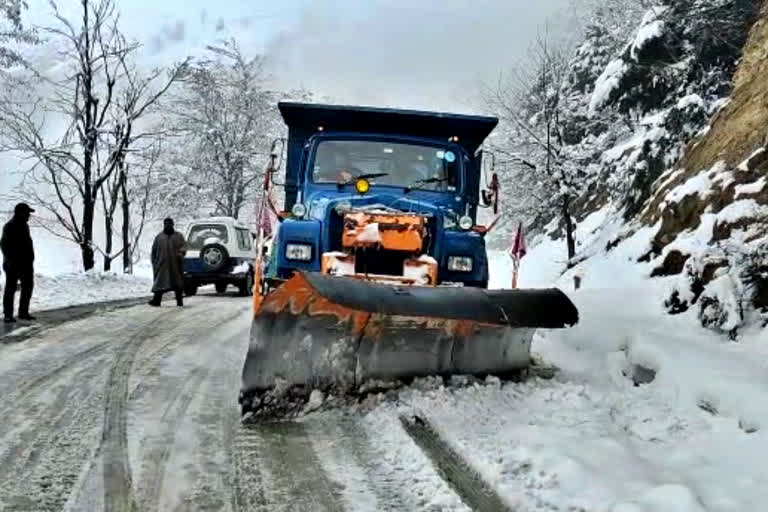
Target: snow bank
column 58, row 291
column 691, row 439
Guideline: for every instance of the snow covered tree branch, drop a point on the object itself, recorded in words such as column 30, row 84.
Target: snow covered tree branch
column 226, row 119
column 539, row 175
column 13, row 33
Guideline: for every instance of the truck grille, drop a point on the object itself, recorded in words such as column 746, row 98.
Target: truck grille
column 372, row 261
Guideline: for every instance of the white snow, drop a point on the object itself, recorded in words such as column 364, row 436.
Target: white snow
column 241, row 268
column 341, row 266
column 419, row 274
column 691, row 99
column 751, row 188
column 744, row 208
column 58, row 291
column 426, row 258
column 370, row 234
column 606, row 83
column 591, row 439
column 743, row 165
column 692, row 439
column 700, row 183
column 646, row 34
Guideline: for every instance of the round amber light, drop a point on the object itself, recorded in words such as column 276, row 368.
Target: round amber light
column 362, row 186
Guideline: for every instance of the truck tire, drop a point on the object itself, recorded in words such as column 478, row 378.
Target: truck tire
column 221, row 286
column 214, row 257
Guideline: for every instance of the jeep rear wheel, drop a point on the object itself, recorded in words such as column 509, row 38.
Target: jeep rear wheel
column 246, row 287
column 214, row 257
column 221, row 286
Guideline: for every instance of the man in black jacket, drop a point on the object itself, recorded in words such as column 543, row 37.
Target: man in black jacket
column 18, row 258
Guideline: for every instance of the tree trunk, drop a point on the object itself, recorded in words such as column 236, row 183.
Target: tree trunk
column 108, row 231
column 87, row 252
column 86, row 246
column 125, row 205
column 569, row 235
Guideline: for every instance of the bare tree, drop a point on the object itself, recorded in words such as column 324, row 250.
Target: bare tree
column 227, row 119
column 70, row 171
column 138, row 97
column 530, row 104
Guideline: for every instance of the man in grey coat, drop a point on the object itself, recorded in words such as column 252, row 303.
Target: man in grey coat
column 168, row 252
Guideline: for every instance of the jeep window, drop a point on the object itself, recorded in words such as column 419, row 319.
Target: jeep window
column 203, row 234
column 244, row 239
column 407, row 165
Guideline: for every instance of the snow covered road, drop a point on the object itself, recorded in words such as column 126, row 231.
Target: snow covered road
column 136, row 409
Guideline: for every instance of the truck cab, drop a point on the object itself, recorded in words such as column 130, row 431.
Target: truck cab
column 382, row 194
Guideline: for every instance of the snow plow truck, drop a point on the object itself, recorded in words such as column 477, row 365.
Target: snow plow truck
column 376, row 268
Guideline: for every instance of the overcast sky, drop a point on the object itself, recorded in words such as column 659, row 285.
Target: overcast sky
column 425, row 54
column 416, row 53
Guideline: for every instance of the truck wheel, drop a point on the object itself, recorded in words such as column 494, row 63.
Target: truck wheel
column 190, row 289
column 246, row 287
column 221, row 286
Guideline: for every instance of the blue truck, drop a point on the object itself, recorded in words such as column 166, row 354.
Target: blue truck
column 378, row 268
column 413, row 162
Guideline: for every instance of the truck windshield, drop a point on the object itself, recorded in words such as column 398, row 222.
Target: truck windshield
column 406, row 165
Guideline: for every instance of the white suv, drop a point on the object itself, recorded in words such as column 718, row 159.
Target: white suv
column 220, row 251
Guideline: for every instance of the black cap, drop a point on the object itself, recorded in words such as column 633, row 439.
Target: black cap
column 23, row 208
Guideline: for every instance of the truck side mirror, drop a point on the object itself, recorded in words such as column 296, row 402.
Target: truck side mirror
column 491, row 194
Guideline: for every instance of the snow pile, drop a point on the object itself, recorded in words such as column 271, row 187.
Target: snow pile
column 647, row 412
column 58, row 291
column 369, row 234
column 242, row 268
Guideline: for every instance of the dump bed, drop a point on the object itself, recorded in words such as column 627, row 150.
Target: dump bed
column 303, row 120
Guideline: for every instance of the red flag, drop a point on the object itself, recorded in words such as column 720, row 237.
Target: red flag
column 518, row 250
column 268, row 219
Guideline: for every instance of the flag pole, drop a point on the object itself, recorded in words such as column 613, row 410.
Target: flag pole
column 515, row 265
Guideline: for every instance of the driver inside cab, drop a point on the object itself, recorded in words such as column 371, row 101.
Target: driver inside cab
column 332, row 167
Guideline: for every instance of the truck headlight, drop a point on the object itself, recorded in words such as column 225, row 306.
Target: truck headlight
column 299, row 252
column 299, row 210
column 466, row 222
column 460, row 263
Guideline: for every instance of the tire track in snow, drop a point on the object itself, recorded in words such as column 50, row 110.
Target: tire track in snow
column 291, row 476
column 37, row 473
column 472, row 489
column 30, row 388
column 172, row 416
column 117, row 469
column 205, row 365
column 344, row 441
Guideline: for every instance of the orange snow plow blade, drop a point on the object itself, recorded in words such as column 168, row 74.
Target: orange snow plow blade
column 326, row 332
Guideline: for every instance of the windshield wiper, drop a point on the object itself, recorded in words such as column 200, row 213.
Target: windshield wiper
column 424, row 181
column 362, row 177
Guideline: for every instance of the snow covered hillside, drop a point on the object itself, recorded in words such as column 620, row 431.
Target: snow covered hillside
column 658, row 403
column 647, row 412
column 666, row 125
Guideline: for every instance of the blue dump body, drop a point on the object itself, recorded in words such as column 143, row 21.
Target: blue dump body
column 460, row 136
